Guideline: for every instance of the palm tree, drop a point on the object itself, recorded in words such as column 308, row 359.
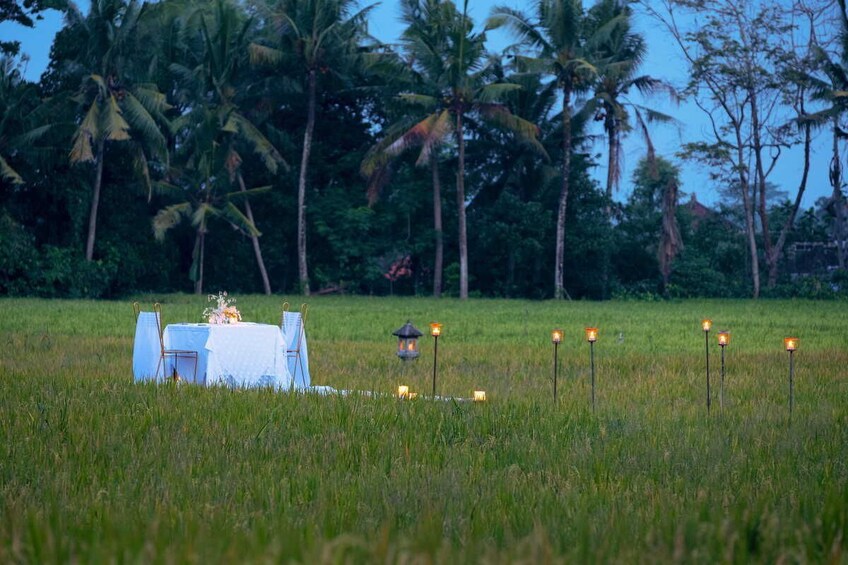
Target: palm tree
column 456, row 73
column 204, row 196
column 323, row 37
column 212, row 130
column 15, row 98
column 116, row 107
column 833, row 91
column 620, row 55
column 558, row 32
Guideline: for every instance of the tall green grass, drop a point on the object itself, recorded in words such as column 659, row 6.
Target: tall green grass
column 96, row 468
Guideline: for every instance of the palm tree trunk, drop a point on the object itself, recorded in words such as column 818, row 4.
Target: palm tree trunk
column 200, row 243
column 839, row 208
column 303, row 274
column 559, row 287
column 670, row 241
column 612, row 163
column 460, row 208
column 437, row 227
column 95, row 201
column 612, row 175
column 266, row 284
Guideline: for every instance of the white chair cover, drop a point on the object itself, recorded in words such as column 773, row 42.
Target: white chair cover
column 292, row 331
column 147, row 349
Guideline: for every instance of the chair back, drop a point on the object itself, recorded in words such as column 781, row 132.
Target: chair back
column 147, row 345
column 293, row 326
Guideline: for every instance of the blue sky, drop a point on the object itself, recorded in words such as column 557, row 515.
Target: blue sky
column 664, row 61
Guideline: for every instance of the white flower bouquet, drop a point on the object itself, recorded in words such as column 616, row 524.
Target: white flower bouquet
column 224, row 312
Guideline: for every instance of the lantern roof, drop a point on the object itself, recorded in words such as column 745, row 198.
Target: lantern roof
column 407, row 331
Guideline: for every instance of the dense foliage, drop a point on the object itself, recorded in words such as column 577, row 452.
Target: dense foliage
column 189, row 145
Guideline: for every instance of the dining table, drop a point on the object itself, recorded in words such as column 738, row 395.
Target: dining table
column 242, row 354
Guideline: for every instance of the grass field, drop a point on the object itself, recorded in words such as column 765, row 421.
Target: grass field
column 94, row 468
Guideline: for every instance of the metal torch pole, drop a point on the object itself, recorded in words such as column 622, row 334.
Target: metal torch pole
column 721, row 388
column 592, row 360
column 435, row 361
column 791, row 384
column 556, row 345
column 707, row 349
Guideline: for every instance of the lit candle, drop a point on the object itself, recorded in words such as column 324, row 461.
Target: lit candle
column 435, row 329
column 790, row 343
column 479, row 396
column 556, row 336
column 591, row 335
column 403, row 391
column 723, row 338
column 707, row 324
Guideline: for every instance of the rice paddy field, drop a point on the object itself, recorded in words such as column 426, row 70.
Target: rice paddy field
column 95, row 468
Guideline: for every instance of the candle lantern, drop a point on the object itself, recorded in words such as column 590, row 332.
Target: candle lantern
column 479, row 396
column 556, row 339
column 407, row 341
column 706, row 325
column 791, row 345
column 592, row 337
column 435, row 331
column 723, row 341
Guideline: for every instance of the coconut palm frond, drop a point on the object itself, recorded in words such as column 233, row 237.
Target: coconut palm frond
column 441, row 127
column 8, row 173
column 168, row 217
column 519, row 24
column 244, row 194
column 526, row 131
column 423, row 100
column 113, row 125
column 269, row 155
column 85, row 134
column 141, row 120
column 496, row 92
column 264, row 55
column 231, row 213
column 412, row 137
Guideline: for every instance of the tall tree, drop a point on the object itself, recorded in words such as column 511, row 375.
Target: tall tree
column 741, row 78
column 457, row 76
column 452, row 83
column 117, row 104
column 557, row 31
column 212, row 131
column 832, row 90
column 621, row 53
column 16, row 96
column 323, row 38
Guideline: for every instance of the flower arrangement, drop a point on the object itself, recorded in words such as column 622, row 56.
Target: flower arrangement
column 224, row 312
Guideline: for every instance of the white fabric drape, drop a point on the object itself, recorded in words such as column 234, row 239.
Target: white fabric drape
column 147, row 349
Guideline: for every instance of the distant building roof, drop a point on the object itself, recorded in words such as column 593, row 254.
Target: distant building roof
column 697, row 209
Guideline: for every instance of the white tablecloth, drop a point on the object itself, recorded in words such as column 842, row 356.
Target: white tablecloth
column 235, row 355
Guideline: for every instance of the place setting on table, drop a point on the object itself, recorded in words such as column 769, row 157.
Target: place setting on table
column 224, row 350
